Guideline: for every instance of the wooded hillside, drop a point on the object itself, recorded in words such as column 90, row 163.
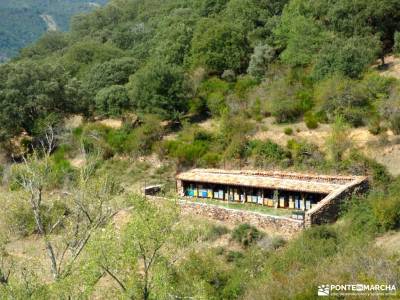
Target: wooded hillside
column 21, row 21
column 140, row 90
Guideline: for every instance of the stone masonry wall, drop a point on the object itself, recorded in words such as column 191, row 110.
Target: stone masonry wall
column 281, row 225
column 327, row 211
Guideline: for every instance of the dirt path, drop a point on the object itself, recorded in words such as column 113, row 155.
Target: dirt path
column 50, row 22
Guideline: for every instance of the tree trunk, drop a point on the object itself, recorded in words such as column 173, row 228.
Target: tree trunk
column 42, row 232
column 146, row 292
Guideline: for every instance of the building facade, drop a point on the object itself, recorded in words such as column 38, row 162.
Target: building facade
column 292, row 191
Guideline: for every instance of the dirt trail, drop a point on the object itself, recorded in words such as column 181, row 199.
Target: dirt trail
column 392, row 67
column 50, row 22
column 112, row 123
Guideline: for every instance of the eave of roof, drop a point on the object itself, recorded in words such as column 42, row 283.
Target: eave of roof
column 323, row 184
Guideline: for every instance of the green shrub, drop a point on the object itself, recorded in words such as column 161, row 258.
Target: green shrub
column 286, row 102
column 314, row 244
column 186, row 154
column 374, row 125
column 61, row 167
column 341, row 96
column 305, row 154
column 278, row 242
column 396, row 46
column 219, row 45
column 243, row 85
column 268, row 151
column 234, row 256
column 210, row 159
column 216, row 103
column 288, row 131
column 158, row 88
column 214, row 91
column 20, row 219
column 348, row 57
column 215, row 231
column 246, row 235
column 311, row 120
column 197, row 106
column 112, row 101
column 236, row 149
column 386, row 207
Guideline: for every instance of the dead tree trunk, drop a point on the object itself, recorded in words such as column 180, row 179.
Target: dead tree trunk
column 42, row 231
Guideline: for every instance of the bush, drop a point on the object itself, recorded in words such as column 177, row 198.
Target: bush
column 288, row 131
column 305, row 154
column 219, row 45
column 266, row 152
column 348, row 57
column 311, row 120
column 112, row 101
column 62, row 170
column 390, row 110
column 186, row 154
column 210, row 159
column 339, row 96
column 234, row 256
column 158, row 89
column 262, row 56
column 246, row 235
column 374, row 125
column 215, row 231
column 386, row 207
column 20, row 219
column 313, row 245
column 214, row 91
column 269, row 243
column 286, row 103
column 112, row 72
column 396, row 46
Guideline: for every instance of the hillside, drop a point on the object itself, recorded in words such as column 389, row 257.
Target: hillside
column 24, row 21
column 138, row 91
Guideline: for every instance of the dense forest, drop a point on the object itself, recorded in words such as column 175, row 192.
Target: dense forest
column 163, row 69
column 21, row 21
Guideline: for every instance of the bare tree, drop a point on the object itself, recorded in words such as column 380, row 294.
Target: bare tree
column 90, row 205
column 32, row 176
column 92, row 208
column 145, row 249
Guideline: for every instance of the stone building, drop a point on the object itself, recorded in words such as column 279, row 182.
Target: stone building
column 314, row 198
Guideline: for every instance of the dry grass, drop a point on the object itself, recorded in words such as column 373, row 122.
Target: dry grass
column 390, row 242
column 112, row 123
column 388, row 154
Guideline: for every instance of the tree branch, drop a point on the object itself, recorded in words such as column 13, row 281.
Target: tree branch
column 122, row 286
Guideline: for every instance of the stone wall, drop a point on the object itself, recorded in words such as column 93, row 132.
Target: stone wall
column 282, row 225
column 327, row 211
